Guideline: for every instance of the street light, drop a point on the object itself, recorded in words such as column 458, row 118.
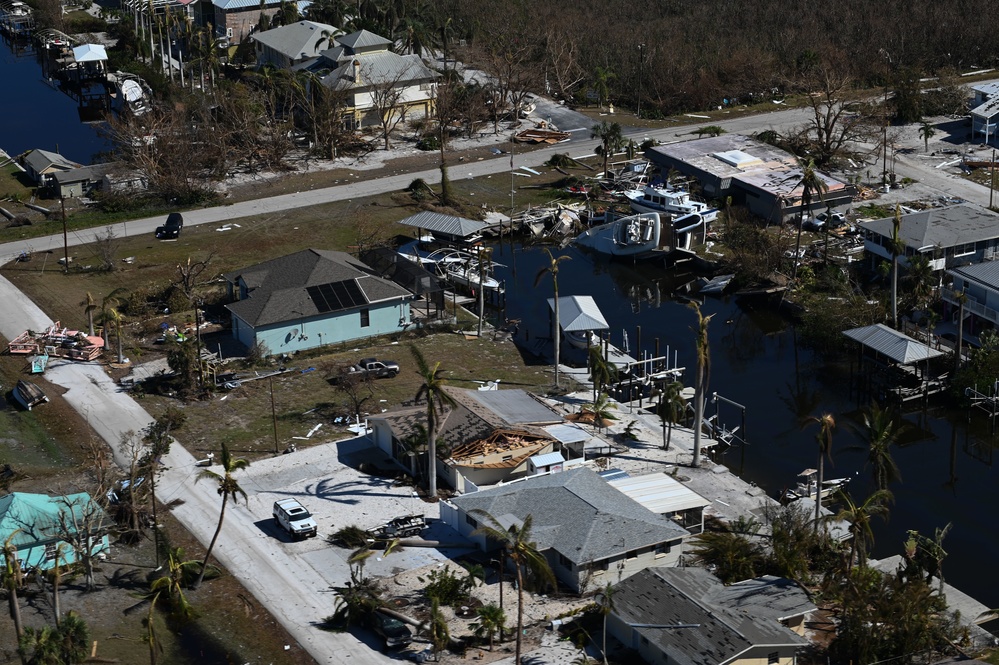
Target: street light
column 641, row 67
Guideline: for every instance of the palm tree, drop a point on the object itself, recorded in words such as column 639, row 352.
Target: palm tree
column 701, row 378
column 962, row 299
column 611, row 140
column 12, row 581
column 552, row 269
column 89, row 307
column 172, row 584
column 671, row 406
column 811, row 183
column 74, row 638
column 859, row 518
column 440, row 636
column 826, row 424
column 606, row 607
column 881, row 430
column 926, row 131
column 897, row 247
column 39, row 647
column 734, row 555
column 602, row 371
column 602, row 410
column 601, row 80
column 437, row 398
column 227, row 487
column 523, row 552
column 920, row 280
column 491, row 620
column 110, row 301
column 118, row 318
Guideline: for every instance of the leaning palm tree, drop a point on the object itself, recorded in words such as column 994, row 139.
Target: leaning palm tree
column 611, row 140
column 524, row 553
column 552, row 269
column 859, row 517
column 701, row 378
column 811, row 183
column 437, row 398
column 826, row 424
column 227, row 487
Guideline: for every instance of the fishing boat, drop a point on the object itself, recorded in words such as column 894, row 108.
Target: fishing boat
column 581, row 339
column 628, row 236
column 39, row 363
column 458, row 267
column 808, row 487
column 29, row 395
column 669, row 201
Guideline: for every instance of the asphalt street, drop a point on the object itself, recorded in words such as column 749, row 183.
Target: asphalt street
column 292, row 579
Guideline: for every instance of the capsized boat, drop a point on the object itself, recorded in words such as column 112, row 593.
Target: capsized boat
column 628, row 236
column 29, row 395
column 668, row 200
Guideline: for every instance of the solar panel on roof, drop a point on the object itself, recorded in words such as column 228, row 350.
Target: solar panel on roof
column 335, row 296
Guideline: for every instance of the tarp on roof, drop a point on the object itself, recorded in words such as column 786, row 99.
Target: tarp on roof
column 90, row 53
column 436, row 222
column 579, row 314
column 893, row 344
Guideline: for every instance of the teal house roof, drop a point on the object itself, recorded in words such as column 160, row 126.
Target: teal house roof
column 32, row 522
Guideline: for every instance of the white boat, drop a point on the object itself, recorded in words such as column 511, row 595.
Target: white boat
column 581, row 339
column 459, row 267
column 673, row 202
column 808, row 488
column 628, row 236
column 715, row 285
column 29, row 395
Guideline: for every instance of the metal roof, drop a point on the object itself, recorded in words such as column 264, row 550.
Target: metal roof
column 90, row 53
column 579, row 313
column 986, row 273
column 514, row 406
column 298, row 40
column 547, row 459
column 893, row 344
column 566, row 433
column 436, row 222
column 659, row 492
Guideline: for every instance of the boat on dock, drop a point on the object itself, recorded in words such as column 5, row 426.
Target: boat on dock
column 670, row 201
column 808, row 487
column 456, row 266
column 29, row 395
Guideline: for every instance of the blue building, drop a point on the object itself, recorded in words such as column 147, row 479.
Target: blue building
column 41, row 528
column 312, row 298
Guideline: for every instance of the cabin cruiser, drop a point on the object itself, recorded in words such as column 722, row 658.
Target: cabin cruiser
column 628, row 236
column 667, row 200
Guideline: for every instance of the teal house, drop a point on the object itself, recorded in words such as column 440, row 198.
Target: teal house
column 313, row 298
column 40, row 525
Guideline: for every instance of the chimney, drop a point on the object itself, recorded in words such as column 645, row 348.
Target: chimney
column 357, row 71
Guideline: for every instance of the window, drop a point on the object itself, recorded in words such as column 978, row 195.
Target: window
column 633, row 554
column 773, row 658
column 564, row 562
column 50, row 552
column 469, row 520
column 365, row 317
column 662, row 549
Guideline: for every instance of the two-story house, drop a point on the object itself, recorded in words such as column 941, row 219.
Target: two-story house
column 289, row 45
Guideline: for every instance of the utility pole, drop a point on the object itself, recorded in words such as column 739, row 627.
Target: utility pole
column 992, row 178
column 641, row 76
column 884, row 141
column 65, row 236
column 274, row 415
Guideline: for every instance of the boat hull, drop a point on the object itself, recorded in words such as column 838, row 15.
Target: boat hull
column 628, row 236
column 29, row 395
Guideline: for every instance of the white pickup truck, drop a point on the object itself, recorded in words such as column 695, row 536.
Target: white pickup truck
column 294, row 518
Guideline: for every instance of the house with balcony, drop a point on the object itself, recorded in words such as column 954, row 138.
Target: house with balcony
column 985, row 112
column 950, row 236
column 312, row 298
column 979, row 283
column 590, row 533
column 686, row 615
column 373, row 79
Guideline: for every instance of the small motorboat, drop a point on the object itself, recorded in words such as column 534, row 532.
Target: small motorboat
column 808, row 488
column 29, row 395
column 581, row 339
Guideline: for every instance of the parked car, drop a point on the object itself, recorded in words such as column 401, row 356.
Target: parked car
column 294, row 518
column 171, row 230
column 394, row 632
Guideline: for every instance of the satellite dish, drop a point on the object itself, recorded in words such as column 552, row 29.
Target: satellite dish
column 294, row 333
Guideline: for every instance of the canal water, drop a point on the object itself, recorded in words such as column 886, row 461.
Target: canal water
column 946, row 462
column 35, row 114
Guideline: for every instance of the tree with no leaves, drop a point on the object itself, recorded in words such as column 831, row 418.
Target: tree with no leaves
column 524, row 554
column 227, row 487
column 432, row 390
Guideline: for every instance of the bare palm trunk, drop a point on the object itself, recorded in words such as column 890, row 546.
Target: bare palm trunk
column 698, row 418
column 894, row 291
column 520, row 614
column 15, row 610
column 557, row 333
column 432, row 455
column 211, row 545
column 818, row 491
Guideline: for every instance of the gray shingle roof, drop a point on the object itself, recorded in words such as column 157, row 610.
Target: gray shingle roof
column 298, row 40
column 39, row 160
column 731, row 619
column 941, row 227
column 576, row 513
column 378, row 68
column 277, row 288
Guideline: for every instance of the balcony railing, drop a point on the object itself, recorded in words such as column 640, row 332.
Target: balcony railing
column 971, row 305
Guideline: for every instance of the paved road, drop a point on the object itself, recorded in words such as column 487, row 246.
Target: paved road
column 295, row 592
